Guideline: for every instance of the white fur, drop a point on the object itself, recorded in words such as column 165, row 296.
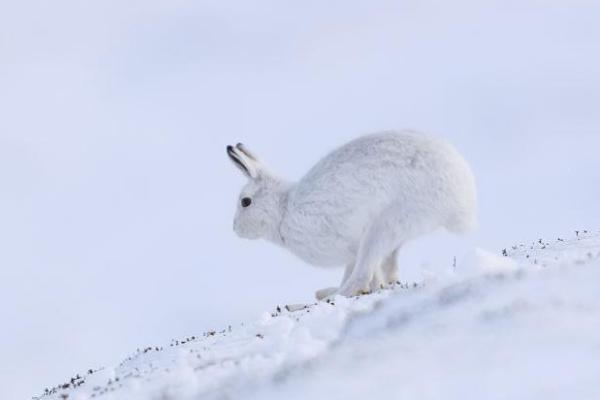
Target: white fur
column 359, row 204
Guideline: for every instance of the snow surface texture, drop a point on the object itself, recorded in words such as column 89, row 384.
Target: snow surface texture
column 522, row 326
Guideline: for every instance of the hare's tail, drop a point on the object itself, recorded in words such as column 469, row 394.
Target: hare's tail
column 463, row 217
column 463, row 206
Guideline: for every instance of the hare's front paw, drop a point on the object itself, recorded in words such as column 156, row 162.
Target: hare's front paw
column 324, row 293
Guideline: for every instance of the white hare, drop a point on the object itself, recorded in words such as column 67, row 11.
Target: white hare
column 359, row 204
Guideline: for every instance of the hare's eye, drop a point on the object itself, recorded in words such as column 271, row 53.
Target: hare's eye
column 246, row 201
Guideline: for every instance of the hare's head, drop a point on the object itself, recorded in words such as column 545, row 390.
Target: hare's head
column 259, row 206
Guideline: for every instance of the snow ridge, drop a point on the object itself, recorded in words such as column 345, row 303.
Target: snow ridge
column 520, row 326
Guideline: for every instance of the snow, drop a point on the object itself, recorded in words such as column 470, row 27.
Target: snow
column 520, row 326
column 117, row 197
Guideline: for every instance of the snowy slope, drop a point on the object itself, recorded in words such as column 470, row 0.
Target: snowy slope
column 522, row 326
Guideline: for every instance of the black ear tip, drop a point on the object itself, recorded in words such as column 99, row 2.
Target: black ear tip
column 239, row 145
column 229, row 149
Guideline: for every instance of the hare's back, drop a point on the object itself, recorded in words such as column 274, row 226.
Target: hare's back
column 379, row 166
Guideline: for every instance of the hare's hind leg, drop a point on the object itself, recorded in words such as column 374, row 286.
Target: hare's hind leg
column 384, row 235
column 378, row 280
column 386, row 274
column 390, row 268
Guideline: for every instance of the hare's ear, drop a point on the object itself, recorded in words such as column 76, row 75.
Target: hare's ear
column 247, row 152
column 243, row 160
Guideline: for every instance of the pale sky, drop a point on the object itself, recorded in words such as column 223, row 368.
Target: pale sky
column 117, row 198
